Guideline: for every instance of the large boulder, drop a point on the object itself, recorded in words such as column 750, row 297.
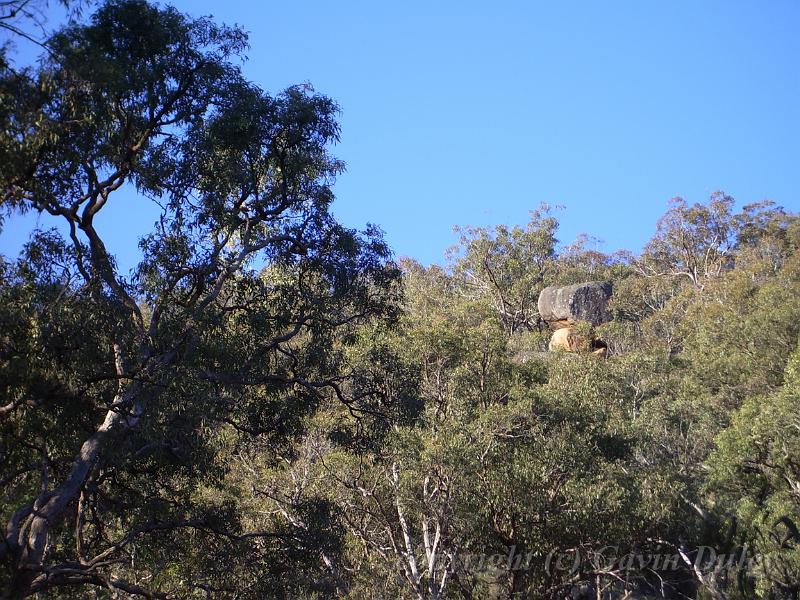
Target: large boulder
column 564, row 306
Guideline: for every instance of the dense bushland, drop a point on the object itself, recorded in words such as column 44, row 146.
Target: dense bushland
column 271, row 406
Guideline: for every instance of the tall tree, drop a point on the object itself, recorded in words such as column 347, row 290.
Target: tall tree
column 508, row 266
column 694, row 242
column 120, row 389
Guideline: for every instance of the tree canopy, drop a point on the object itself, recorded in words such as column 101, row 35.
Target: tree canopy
column 269, row 405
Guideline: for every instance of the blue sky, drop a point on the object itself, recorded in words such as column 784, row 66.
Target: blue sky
column 467, row 113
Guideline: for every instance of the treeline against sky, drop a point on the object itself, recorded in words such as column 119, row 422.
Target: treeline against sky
column 271, row 406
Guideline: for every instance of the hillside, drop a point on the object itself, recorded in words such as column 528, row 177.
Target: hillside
column 271, row 405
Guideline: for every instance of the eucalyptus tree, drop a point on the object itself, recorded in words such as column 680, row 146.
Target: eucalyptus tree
column 508, row 266
column 121, row 394
column 693, row 242
column 755, row 470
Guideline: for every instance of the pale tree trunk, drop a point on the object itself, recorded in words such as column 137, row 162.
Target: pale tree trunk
column 28, row 531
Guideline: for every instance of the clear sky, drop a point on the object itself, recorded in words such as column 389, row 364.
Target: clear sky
column 473, row 113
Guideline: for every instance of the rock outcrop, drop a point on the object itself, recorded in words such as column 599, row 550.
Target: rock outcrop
column 564, row 307
column 582, row 302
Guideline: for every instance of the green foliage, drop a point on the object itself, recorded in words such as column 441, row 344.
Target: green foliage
column 271, row 407
column 755, row 474
column 127, row 397
column 507, row 267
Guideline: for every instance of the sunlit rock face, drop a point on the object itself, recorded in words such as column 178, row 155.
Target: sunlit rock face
column 581, row 302
column 567, row 339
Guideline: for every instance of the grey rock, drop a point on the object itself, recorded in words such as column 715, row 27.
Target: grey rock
column 562, row 306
